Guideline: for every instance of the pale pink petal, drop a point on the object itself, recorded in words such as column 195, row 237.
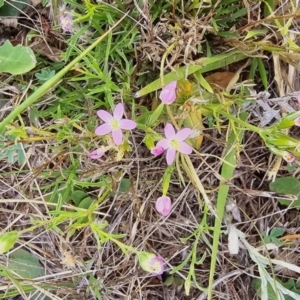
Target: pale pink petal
column 104, row 115
column 297, row 121
column 168, row 93
column 169, row 131
column 163, row 205
column 157, row 265
column 170, row 156
column 163, row 144
column 298, row 98
column 117, row 136
column 96, row 153
column 185, row 148
column 183, row 134
column 127, row 124
column 103, row 129
column 118, row 112
column 288, row 156
column 156, row 151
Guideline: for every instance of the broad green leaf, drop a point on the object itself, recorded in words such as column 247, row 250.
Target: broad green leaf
column 287, row 185
column 12, row 8
column 8, row 240
column 276, row 232
column 78, row 196
column 16, row 60
column 86, row 203
column 25, row 264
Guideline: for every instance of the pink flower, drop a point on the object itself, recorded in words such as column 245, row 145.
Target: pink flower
column 157, row 151
column 96, row 153
column 175, row 142
column 297, row 121
column 65, row 22
column 288, row 157
column 163, row 205
column 168, row 93
column 152, row 263
column 114, row 123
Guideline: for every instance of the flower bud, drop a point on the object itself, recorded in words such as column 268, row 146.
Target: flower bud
column 149, row 262
column 163, row 205
column 168, row 93
column 96, row 153
column 288, row 157
column 156, row 151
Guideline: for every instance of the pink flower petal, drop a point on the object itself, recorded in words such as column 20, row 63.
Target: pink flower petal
column 163, row 144
column 96, row 153
column 163, row 205
column 183, row 134
column 169, row 131
column 168, row 93
column 156, row 151
column 104, row 115
column 288, row 156
column 185, row 148
column 298, row 99
column 118, row 112
column 297, row 121
column 117, row 136
column 127, row 124
column 157, row 264
column 103, row 129
column 170, row 156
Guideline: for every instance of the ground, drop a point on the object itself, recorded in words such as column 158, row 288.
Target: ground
column 79, row 209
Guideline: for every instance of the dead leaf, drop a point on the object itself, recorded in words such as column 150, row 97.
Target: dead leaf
column 219, row 79
column 52, row 53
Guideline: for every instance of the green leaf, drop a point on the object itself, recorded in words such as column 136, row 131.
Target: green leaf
column 16, row 60
column 169, row 281
column 155, row 115
column 78, row 196
column 204, row 83
column 12, row 8
column 124, row 185
column 263, row 73
column 287, row 185
column 25, row 264
column 45, row 75
column 86, row 203
column 276, row 232
column 257, row 32
column 8, row 240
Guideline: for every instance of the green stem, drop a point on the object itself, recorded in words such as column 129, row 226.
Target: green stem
column 241, row 122
column 54, row 80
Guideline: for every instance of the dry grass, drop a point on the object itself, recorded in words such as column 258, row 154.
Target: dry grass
column 76, row 260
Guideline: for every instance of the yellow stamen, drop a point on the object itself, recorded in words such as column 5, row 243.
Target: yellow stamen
column 114, row 124
column 175, row 144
